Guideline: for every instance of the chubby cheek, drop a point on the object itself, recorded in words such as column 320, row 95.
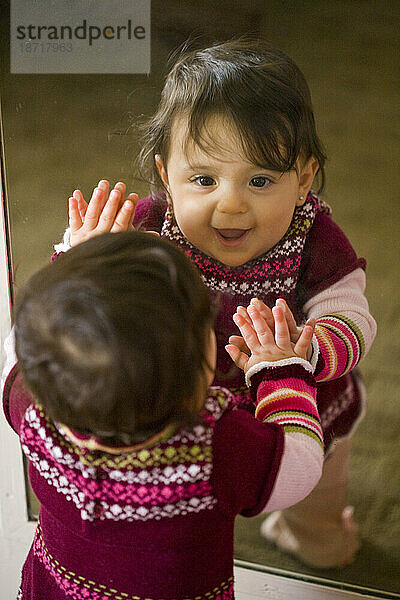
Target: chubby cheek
column 278, row 220
column 283, row 221
column 193, row 219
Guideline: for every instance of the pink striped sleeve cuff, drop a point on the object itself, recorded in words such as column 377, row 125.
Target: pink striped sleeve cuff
column 286, row 395
column 341, row 345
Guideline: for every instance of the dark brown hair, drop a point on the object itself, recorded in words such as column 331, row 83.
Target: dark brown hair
column 259, row 91
column 111, row 338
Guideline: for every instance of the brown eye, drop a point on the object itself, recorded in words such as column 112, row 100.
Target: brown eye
column 260, row 181
column 204, row 180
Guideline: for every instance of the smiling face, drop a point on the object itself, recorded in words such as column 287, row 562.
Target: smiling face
column 229, row 208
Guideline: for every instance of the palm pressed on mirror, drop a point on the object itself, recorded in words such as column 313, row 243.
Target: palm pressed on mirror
column 67, row 132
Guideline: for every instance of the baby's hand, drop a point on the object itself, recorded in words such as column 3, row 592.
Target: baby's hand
column 263, row 344
column 105, row 212
column 266, row 312
column 294, row 330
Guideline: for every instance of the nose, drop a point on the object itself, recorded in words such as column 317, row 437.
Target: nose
column 231, row 201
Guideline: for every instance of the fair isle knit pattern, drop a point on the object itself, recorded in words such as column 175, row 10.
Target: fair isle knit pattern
column 76, row 587
column 168, row 479
column 274, row 272
column 290, row 402
column 341, row 345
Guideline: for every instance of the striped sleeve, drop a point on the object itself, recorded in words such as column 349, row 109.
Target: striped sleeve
column 284, row 393
column 345, row 328
column 341, row 346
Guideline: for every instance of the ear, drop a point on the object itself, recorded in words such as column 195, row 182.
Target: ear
column 162, row 170
column 306, row 178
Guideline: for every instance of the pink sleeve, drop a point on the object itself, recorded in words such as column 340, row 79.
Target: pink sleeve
column 345, row 328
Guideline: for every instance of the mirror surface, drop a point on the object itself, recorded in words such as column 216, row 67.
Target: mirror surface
column 68, row 131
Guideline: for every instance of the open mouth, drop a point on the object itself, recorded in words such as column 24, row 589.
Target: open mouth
column 231, row 237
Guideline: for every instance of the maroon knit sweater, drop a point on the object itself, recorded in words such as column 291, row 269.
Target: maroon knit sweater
column 156, row 522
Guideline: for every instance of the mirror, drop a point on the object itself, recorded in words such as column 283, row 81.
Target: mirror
column 66, row 131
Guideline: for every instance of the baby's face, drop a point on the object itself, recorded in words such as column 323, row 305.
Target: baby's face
column 227, row 207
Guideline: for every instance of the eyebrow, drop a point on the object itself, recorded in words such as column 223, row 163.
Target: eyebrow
column 211, row 166
column 198, row 167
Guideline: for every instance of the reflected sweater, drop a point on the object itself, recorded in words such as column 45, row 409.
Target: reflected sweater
column 316, row 270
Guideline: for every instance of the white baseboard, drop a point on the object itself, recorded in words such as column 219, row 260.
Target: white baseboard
column 253, row 582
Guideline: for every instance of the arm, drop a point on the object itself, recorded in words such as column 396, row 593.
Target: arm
column 331, row 288
column 285, row 393
column 15, row 396
column 344, row 328
column 283, row 389
column 11, row 358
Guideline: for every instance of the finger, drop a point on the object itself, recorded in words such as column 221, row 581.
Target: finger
column 109, row 212
column 265, row 311
column 75, row 221
column 248, row 333
column 304, row 341
column 78, row 195
column 82, row 205
column 260, row 325
column 293, row 329
column 238, row 357
column 104, row 185
column 243, row 313
column 237, row 340
column 124, row 217
column 134, row 198
column 94, row 209
column 102, row 191
column 282, row 335
column 121, row 187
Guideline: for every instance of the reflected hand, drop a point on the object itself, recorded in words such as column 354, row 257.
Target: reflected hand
column 294, row 330
column 263, row 343
column 104, row 213
column 264, row 310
